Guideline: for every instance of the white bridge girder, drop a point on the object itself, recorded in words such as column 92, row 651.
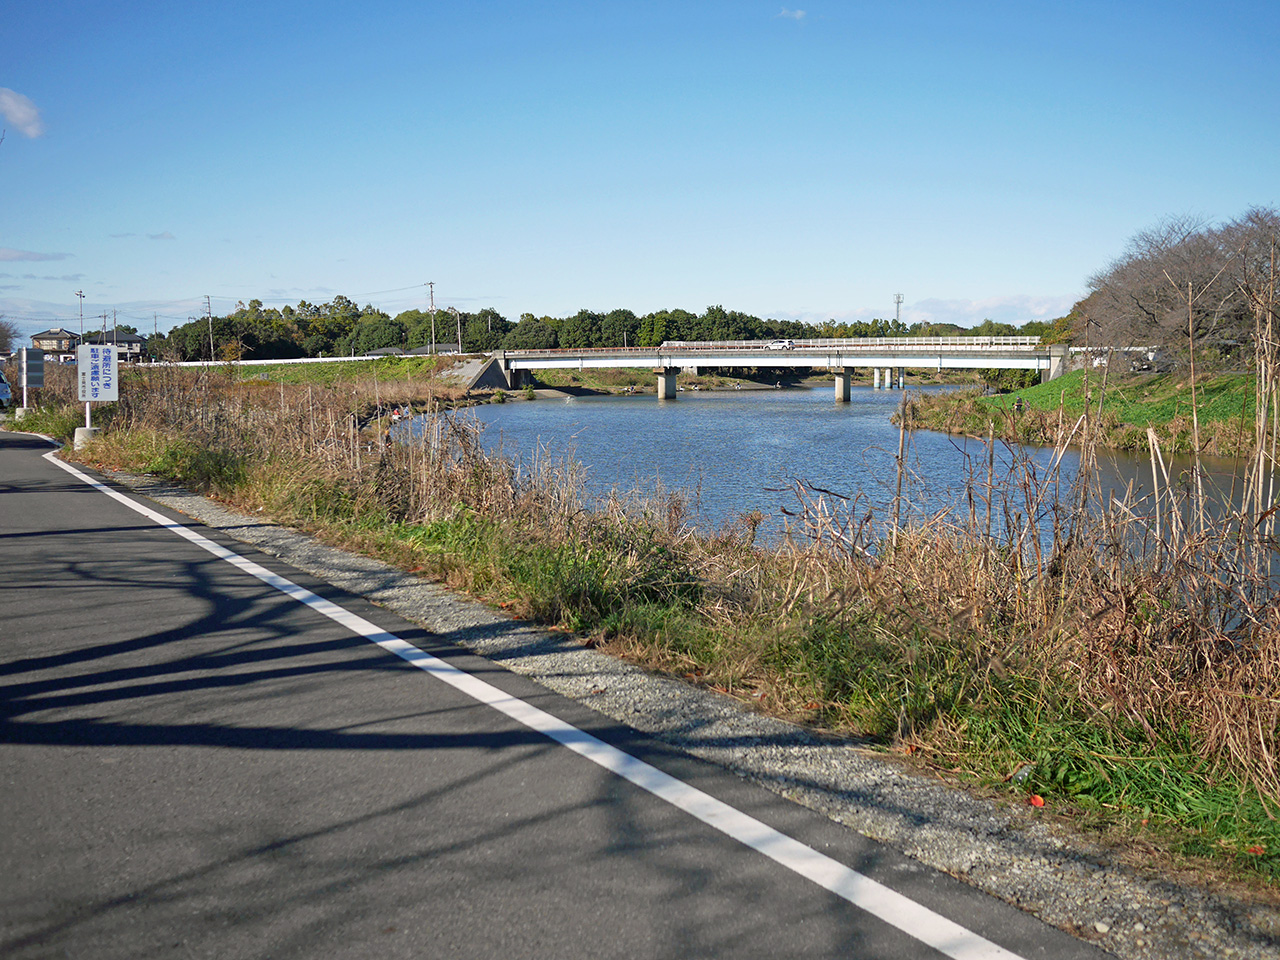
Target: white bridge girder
column 790, row 358
column 942, row 353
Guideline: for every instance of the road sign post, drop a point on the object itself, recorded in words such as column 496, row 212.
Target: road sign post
column 32, row 364
column 97, row 372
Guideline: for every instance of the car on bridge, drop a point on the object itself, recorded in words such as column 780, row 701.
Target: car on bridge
column 782, row 345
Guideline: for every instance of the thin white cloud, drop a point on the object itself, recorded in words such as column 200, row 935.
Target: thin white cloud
column 21, row 112
column 161, row 236
column 791, row 14
column 7, row 254
column 1016, row 309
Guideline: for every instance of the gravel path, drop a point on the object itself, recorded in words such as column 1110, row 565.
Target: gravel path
column 1016, row 853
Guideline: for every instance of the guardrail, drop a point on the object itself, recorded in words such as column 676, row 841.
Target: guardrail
column 837, row 343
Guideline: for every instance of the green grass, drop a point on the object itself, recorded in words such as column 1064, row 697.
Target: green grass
column 1130, row 404
column 61, row 422
column 1142, row 398
column 603, row 380
column 349, row 371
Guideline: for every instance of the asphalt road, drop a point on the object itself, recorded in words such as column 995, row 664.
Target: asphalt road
column 195, row 764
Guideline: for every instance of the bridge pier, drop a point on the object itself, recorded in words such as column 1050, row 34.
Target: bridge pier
column 842, row 385
column 666, row 382
column 890, row 374
column 1058, row 353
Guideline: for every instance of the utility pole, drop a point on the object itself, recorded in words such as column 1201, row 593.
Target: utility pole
column 432, row 309
column 457, row 316
column 80, row 294
column 208, row 312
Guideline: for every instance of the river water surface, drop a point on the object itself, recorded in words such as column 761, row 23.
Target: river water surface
column 733, row 452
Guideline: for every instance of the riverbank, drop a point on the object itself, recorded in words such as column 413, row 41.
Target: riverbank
column 1121, row 408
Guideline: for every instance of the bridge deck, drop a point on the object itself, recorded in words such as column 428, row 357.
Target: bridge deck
column 1026, row 353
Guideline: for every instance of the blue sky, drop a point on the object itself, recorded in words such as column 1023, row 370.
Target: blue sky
column 810, row 161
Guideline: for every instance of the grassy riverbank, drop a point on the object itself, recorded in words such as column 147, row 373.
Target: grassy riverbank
column 1137, row 695
column 348, row 372
column 1121, row 409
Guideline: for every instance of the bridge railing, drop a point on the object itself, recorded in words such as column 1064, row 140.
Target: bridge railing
column 841, row 343
column 872, row 343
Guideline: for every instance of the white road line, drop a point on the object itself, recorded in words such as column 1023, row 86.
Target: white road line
column 900, row 911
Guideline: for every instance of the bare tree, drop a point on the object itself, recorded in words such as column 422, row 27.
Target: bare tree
column 9, row 335
column 1141, row 297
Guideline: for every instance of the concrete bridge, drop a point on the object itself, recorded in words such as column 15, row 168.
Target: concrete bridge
column 887, row 356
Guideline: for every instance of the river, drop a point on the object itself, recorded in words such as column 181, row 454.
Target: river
column 732, row 452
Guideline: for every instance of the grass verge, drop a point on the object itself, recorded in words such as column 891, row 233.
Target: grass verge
column 1122, row 409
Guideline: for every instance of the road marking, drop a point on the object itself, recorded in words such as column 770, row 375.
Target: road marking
column 913, row 919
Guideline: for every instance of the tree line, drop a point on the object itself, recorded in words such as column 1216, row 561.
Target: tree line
column 341, row 328
column 1187, row 282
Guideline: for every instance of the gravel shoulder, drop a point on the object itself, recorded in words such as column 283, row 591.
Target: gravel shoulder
column 1016, row 853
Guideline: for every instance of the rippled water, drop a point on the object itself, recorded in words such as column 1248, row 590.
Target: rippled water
column 733, row 452
column 737, row 451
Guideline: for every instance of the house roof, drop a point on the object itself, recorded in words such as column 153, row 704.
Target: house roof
column 57, row 333
column 120, row 339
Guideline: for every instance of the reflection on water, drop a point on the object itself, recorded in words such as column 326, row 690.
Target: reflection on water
column 739, row 451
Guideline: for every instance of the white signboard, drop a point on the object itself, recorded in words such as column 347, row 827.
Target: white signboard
column 96, row 366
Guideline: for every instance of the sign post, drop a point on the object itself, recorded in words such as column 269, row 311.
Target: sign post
column 96, row 370
column 32, row 363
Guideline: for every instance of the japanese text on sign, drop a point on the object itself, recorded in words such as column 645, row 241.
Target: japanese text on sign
column 96, row 365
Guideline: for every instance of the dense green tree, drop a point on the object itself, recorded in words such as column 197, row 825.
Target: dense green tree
column 418, row 323
column 107, row 331
column 657, row 328
column 990, row 328
column 582, row 330
column 530, row 334
column 253, row 331
column 1061, row 330
column 484, row 332
column 620, row 328
column 373, row 332
column 653, row 330
column 929, row 328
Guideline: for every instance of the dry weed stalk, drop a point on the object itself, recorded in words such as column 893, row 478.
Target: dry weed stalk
column 1155, row 614
column 1164, row 617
